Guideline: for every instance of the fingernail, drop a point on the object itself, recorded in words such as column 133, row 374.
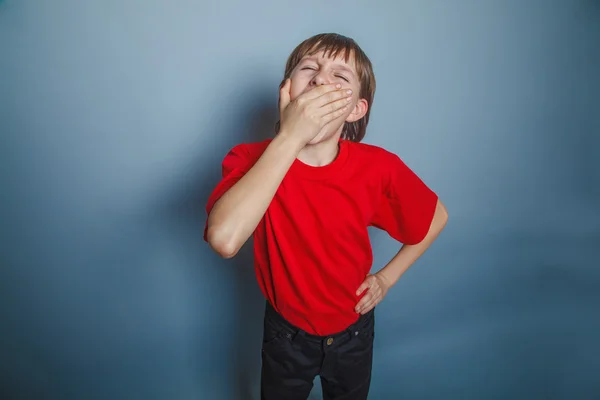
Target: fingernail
column 349, row 92
column 338, row 86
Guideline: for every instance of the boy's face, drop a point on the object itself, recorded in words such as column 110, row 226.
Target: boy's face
column 318, row 70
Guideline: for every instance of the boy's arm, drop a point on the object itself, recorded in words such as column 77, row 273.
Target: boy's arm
column 236, row 214
column 379, row 283
column 408, row 254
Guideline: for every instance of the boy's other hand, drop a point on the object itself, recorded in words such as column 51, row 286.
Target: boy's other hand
column 305, row 116
column 377, row 287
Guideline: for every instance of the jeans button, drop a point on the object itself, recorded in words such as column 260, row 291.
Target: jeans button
column 329, row 341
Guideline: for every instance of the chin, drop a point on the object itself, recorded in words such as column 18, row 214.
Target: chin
column 316, row 140
column 320, row 138
column 323, row 137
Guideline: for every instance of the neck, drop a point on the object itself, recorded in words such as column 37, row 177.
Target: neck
column 320, row 154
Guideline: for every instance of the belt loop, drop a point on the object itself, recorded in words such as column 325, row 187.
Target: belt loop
column 298, row 332
column 351, row 329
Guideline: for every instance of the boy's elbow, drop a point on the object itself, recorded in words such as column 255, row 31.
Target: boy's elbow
column 444, row 212
column 440, row 219
column 220, row 243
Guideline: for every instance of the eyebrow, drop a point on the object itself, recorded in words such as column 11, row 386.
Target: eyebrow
column 337, row 65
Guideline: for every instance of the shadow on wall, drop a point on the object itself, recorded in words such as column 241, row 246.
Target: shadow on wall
column 234, row 280
column 261, row 120
column 591, row 150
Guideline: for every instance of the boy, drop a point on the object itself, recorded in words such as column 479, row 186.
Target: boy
column 307, row 196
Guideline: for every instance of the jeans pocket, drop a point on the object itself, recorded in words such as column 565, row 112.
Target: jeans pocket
column 366, row 333
column 274, row 333
column 367, row 336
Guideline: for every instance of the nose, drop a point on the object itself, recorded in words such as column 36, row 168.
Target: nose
column 320, row 79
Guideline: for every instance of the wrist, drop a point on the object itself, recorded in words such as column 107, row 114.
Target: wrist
column 387, row 281
column 290, row 140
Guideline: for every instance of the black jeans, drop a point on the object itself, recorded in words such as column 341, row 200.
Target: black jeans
column 292, row 358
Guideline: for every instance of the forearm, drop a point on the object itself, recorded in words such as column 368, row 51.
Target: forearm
column 408, row 254
column 236, row 214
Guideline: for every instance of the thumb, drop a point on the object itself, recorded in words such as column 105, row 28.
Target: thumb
column 284, row 95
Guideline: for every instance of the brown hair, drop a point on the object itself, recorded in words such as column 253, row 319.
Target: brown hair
column 333, row 44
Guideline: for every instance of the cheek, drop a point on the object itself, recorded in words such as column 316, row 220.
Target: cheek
column 295, row 89
column 352, row 105
column 300, row 83
column 355, row 97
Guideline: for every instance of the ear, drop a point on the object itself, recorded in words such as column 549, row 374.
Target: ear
column 359, row 111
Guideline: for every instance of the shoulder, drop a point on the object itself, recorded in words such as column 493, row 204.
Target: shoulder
column 251, row 148
column 249, row 152
column 383, row 165
column 375, row 156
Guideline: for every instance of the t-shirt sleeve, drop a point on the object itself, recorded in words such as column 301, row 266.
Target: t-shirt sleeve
column 406, row 206
column 235, row 164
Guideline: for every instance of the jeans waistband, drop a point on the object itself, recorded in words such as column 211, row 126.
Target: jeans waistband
column 363, row 320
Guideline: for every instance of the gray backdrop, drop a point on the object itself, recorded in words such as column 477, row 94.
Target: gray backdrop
column 115, row 116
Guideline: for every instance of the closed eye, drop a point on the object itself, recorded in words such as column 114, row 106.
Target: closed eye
column 314, row 69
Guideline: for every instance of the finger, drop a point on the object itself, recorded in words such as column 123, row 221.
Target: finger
column 374, row 295
column 332, row 116
column 368, row 308
column 334, row 106
column 369, row 305
column 329, row 97
column 284, row 95
column 365, row 300
column 320, row 90
column 363, row 286
column 367, row 283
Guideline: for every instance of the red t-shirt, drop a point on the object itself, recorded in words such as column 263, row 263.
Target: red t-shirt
column 312, row 248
